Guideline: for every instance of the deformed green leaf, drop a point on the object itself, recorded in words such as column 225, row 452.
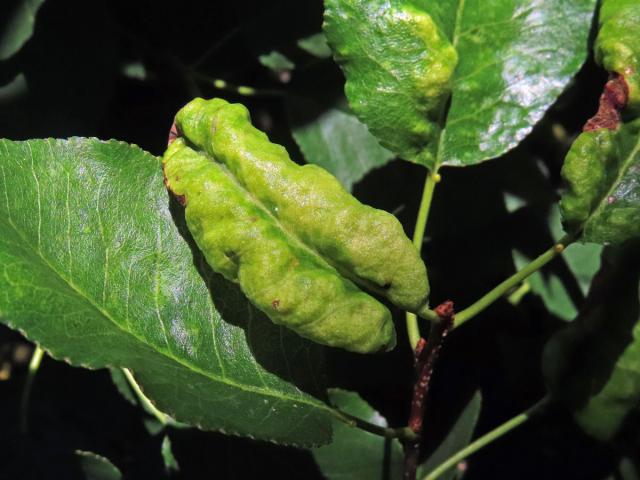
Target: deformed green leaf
column 458, row 437
column 337, row 141
column 617, row 46
column 514, row 58
column 398, row 66
column 602, row 172
column 95, row 270
column 294, row 240
column 593, row 365
column 17, row 26
column 354, row 453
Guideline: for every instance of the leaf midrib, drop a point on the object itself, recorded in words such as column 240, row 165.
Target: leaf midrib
column 104, row 313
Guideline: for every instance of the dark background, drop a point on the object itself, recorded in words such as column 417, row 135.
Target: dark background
column 75, row 84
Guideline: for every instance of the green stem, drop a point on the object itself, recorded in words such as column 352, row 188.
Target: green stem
column 148, row 406
column 403, row 433
column 413, row 331
column 34, row 364
column 487, row 439
column 471, row 311
column 516, row 296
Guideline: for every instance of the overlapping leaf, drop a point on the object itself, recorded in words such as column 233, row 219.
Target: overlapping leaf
column 94, row 268
column 514, row 59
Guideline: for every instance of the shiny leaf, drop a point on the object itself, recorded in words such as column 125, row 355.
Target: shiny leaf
column 514, row 58
column 96, row 467
column 95, row 270
column 602, row 171
column 354, row 453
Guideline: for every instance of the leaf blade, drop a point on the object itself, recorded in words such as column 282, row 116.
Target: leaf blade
column 148, row 308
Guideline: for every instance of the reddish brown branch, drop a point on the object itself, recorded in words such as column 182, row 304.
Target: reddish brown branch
column 426, row 354
column 614, row 98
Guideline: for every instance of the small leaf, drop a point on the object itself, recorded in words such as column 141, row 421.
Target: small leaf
column 315, row 45
column 97, row 272
column 337, row 141
column 583, row 261
column 458, row 437
column 96, row 467
column 354, row 453
column 602, row 171
column 170, row 462
column 17, row 26
column 277, row 62
column 593, row 365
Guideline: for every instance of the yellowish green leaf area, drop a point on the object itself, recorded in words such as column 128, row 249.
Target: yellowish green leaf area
column 617, row 46
column 294, row 240
column 96, row 268
column 455, row 82
column 398, row 66
column 602, row 172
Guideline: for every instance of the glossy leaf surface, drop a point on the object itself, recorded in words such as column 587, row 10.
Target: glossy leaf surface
column 514, row 59
column 602, row 171
column 354, row 453
column 95, row 269
column 593, row 365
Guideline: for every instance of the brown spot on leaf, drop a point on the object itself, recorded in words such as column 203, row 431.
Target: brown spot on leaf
column 613, row 100
column 275, row 304
column 173, row 133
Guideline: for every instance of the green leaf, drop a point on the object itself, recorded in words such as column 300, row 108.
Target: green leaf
column 17, row 26
column 602, row 171
column 617, row 47
column 458, row 437
column 593, row 365
column 398, row 65
column 514, row 58
column 315, row 45
column 170, row 462
column 95, row 270
column 97, row 467
column 276, row 61
column 337, row 141
column 583, row 261
column 122, row 385
column 354, row 453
